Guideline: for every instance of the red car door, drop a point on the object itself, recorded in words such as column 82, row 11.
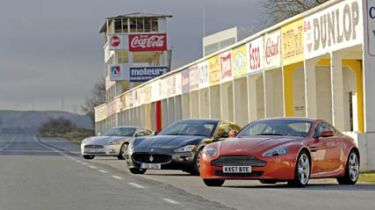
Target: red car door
column 325, row 151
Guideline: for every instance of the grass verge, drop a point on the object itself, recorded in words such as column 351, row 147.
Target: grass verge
column 367, row 177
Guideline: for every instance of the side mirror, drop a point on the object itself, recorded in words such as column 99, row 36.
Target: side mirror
column 155, row 133
column 325, row 134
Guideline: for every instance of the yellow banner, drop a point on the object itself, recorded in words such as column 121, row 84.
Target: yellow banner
column 123, row 100
column 100, row 113
column 239, row 61
column 214, row 70
column 293, row 42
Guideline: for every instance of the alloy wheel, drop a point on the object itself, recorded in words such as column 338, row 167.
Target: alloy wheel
column 303, row 169
column 353, row 167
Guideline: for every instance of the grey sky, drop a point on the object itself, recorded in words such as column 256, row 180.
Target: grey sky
column 51, row 51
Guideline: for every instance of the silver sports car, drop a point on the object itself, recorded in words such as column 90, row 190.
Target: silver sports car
column 113, row 142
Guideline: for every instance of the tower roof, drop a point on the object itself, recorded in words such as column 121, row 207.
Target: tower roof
column 133, row 15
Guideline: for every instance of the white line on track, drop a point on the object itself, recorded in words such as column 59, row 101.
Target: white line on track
column 103, row 171
column 171, row 201
column 93, row 167
column 117, row 177
column 136, row 185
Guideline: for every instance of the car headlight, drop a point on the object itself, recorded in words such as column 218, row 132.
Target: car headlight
column 116, row 142
column 276, row 152
column 187, row 148
column 210, row 151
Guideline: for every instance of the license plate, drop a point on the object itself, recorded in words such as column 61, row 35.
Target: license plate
column 237, row 169
column 151, row 166
column 90, row 150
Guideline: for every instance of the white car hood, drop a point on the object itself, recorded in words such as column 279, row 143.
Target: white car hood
column 104, row 140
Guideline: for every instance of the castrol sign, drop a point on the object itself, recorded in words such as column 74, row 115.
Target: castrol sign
column 147, row 42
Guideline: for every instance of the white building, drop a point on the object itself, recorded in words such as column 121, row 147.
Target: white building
column 135, row 50
column 319, row 64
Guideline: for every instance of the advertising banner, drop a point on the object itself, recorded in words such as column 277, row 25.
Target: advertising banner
column 334, row 28
column 239, row 61
column 293, row 42
column 118, row 42
column 256, row 58
column 272, row 50
column 147, row 42
column 140, row 99
column 148, row 93
column 171, row 86
column 164, row 88
column 370, row 27
column 178, row 83
column 225, row 66
column 193, row 78
column 111, row 108
column 118, row 72
column 155, row 91
column 118, row 104
column 123, row 102
column 143, row 74
column 203, row 74
column 100, row 113
column 130, row 97
column 185, row 81
column 214, row 70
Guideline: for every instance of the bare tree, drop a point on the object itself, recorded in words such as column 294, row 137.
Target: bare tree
column 96, row 98
column 283, row 9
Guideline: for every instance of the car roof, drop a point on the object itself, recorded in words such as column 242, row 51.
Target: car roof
column 130, row 126
column 289, row 118
column 200, row 120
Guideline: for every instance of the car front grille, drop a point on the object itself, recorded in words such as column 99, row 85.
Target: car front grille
column 93, row 146
column 151, row 158
column 238, row 161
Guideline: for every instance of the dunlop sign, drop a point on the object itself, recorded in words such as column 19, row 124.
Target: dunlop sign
column 334, row 28
column 371, row 27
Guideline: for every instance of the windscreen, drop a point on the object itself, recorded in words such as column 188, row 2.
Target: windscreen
column 190, row 128
column 278, row 127
column 119, row 132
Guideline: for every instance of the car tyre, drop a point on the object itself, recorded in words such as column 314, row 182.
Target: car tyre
column 122, row 154
column 302, row 171
column 88, row 157
column 214, row 182
column 196, row 167
column 351, row 170
column 137, row 170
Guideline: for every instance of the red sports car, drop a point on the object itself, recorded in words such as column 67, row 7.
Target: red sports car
column 284, row 149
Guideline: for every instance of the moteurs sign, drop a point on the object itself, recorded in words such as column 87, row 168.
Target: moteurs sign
column 147, row 42
column 142, row 74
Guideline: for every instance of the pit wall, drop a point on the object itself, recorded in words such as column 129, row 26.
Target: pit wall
column 305, row 66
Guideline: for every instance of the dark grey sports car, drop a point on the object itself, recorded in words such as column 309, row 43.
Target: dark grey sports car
column 177, row 147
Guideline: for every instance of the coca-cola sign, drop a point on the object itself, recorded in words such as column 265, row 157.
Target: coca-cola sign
column 148, row 42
